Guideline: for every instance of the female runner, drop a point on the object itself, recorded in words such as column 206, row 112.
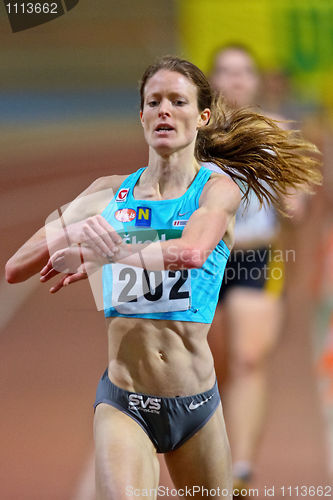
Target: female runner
column 163, row 240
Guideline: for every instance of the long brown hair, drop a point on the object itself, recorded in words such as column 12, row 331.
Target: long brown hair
column 248, row 146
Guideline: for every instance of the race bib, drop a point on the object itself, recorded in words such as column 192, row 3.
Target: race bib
column 136, row 290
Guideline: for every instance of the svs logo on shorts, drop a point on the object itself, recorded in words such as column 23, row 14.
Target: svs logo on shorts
column 137, row 401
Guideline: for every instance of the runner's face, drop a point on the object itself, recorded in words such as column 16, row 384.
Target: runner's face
column 235, row 76
column 170, row 115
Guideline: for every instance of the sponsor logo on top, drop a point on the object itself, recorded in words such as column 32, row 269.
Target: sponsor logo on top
column 143, row 217
column 125, row 214
column 122, row 194
column 179, row 222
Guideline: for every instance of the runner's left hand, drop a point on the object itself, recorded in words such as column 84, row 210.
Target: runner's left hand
column 75, row 262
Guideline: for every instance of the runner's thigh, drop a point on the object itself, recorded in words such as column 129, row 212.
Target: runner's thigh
column 204, row 460
column 125, row 456
column 254, row 318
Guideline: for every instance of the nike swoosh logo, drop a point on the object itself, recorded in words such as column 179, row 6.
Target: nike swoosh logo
column 194, row 406
column 180, row 214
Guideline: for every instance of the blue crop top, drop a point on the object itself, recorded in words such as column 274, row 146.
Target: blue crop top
column 182, row 295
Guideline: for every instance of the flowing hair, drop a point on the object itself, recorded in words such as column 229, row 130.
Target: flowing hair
column 250, row 147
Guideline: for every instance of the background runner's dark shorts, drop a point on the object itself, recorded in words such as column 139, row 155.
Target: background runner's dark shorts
column 252, row 269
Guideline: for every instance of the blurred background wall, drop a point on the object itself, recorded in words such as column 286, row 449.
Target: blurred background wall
column 95, row 46
column 295, row 37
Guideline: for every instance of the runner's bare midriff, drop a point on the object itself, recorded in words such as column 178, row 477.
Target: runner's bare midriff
column 160, row 357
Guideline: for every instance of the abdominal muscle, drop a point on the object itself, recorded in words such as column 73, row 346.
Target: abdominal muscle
column 159, row 357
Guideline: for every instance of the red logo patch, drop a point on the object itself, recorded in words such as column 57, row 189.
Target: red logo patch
column 122, row 195
column 125, row 214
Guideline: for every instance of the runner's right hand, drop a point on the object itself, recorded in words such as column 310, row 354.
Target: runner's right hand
column 95, row 233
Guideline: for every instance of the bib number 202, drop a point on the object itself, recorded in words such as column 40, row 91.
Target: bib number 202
column 136, row 290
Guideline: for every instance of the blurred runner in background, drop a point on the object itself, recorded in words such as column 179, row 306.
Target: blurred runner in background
column 253, row 282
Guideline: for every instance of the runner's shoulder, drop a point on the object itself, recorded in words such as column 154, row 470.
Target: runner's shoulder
column 106, row 182
column 95, row 197
column 221, row 189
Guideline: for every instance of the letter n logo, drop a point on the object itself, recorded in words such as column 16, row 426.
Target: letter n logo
column 143, row 216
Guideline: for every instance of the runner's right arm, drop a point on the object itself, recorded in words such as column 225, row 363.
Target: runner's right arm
column 34, row 253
